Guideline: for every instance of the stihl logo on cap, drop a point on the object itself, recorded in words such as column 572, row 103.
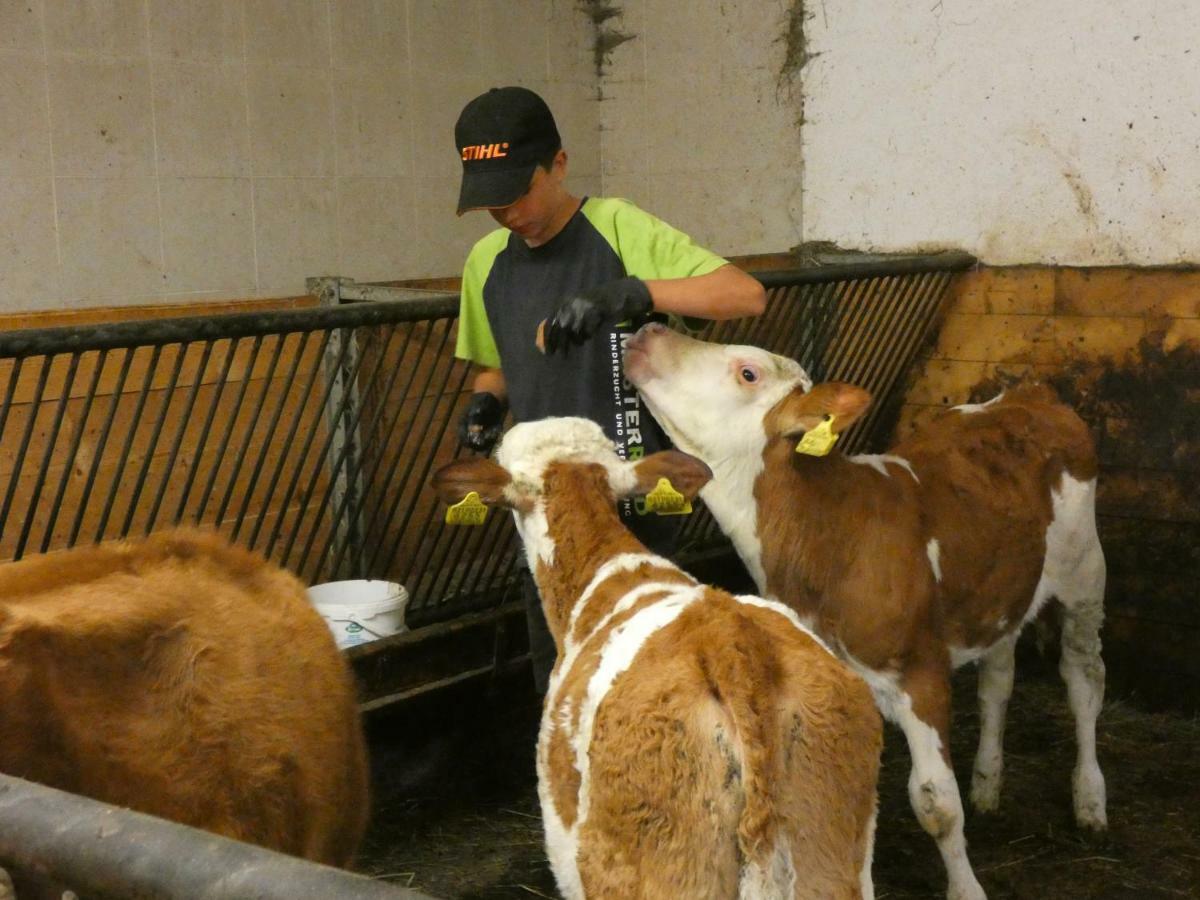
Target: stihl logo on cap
column 485, row 151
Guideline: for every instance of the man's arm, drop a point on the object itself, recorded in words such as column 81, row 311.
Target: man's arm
column 727, row 293
column 491, row 381
column 724, row 293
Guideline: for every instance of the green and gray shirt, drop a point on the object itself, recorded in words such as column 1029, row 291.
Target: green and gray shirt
column 508, row 288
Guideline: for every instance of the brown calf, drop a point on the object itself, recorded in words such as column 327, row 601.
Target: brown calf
column 185, row 678
column 693, row 744
column 909, row 563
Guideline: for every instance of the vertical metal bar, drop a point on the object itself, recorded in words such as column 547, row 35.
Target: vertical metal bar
column 890, row 344
column 14, row 378
column 307, row 444
column 240, row 456
column 265, row 449
column 381, row 451
column 19, row 462
column 98, row 452
column 148, row 459
column 854, row 333
column 390, row 478
column 849, row 309
column 817, row 300
column 351, row 421
column 440, row 434
column 185, row 419
column 76, row 439
column 360, row 473
column 342, row 424
column 928, row 304
column 350, row 372
column 202, row 441
column 47, row 455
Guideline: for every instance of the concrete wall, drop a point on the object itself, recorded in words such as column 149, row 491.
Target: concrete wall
column 180, row 150
column 1021, row 131
column 697, row 125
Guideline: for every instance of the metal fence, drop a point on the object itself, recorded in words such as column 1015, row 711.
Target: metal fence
column 310, row 434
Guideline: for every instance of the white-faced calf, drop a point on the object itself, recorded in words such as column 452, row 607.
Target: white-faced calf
column 693, row 744
column 185, row 678
column 908, row 563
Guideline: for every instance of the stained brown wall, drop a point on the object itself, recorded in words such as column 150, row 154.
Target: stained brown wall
column 1123, row 346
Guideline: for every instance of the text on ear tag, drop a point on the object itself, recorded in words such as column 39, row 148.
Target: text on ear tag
column 468, row 511
column 666, row 501
column 819, row 441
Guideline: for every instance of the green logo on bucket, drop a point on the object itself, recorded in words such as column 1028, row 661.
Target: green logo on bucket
column 353, row 628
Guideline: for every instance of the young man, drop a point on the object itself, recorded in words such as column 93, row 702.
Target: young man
column 593, row 270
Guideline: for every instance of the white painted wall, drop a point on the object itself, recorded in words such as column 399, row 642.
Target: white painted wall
column 159, row 151
column 696, row 127
column 1020, row 130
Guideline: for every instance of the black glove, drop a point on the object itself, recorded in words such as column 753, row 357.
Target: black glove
column 480, row 425
column 581, row 314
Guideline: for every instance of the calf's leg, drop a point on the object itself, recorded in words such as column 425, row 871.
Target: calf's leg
column 922, row 710
column 1074, row 573
column 995, row 688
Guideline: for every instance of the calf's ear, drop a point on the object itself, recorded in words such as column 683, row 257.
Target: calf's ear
column 686, row 473
column 485, row 477
column 802, row 411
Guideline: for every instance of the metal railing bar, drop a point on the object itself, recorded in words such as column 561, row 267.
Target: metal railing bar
column 882, row 318
column 879, row 337
column 335, row 470
column 106, row 851
column 231, row 424
column 896, row 321
column 362, row 466
column 370, row 515
column 244, row 450
column 14, row 377
column 287, row 441
column 858, row 341
column 73, row 452
column 437, row 441
column 326, row 393
column 19, row 460
column 47, row 454
column 851, row 308
column 373, row 526
column 194, row 329
column 101, row 444
column 148, row 459
column 198, row 451
column 950, row 261
column 324, row 455
column 929, row 306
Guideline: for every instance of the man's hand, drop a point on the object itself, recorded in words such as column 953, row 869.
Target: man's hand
column 480, row 425
column 581, row 314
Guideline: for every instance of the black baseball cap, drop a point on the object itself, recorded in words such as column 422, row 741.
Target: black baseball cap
column 502, row 136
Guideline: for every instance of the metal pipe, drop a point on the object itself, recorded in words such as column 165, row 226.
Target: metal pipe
column 105, row 851
column 194, row 329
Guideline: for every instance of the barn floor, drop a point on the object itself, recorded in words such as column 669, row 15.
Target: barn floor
column 456, row 812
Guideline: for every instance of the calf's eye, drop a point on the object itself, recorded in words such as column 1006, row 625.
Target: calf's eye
column 748, row 375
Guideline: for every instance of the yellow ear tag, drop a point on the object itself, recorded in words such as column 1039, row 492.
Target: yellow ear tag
column 469, row 511
column 819, row 441
column 666, row 501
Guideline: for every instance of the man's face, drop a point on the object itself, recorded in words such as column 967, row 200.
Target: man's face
column 538, row 215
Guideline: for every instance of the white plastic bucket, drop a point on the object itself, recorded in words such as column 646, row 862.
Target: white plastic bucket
column 358, row 612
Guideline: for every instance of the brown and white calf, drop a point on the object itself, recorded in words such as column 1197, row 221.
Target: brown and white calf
column 909, row 563
column 185, row 678
column 693, row 744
